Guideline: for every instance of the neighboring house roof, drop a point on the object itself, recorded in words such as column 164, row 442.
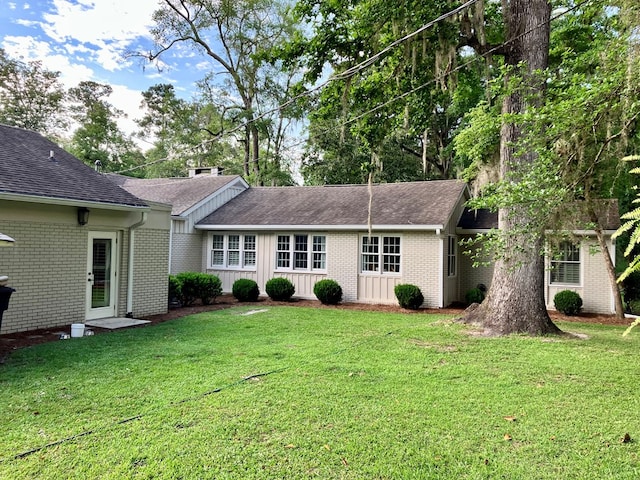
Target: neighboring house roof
column 33, row 168
column 181, row 192
column 416, row 205
column 606, row 211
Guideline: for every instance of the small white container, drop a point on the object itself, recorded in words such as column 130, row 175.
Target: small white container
column 77, row 330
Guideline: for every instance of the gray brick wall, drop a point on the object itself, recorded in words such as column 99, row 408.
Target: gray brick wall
column 151, row 270
column 47, row 268
column 187, row 254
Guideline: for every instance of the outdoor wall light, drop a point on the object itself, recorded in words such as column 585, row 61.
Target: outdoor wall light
column 83, row 215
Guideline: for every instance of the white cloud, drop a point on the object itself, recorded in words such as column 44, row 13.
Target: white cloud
column 31, row 49
column 108, row 27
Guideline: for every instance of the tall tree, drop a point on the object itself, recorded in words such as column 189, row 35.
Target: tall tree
column 232, row 34
column 31, row 96
column 98, row 141
column 388, row 100
column 515, row 301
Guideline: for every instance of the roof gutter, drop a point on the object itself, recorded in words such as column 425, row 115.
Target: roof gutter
column 415, row 227
column 16, row 197
column 132, row 243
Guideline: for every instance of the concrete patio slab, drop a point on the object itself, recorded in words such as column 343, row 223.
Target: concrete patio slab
column 113, row 323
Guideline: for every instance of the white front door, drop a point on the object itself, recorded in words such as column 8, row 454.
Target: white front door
column 101, row 275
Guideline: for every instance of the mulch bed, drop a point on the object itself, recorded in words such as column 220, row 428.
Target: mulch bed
column 13, row 341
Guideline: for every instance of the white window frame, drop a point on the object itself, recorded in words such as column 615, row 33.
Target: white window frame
column 301, row 252
column 560, row 260
column 379, row 256
column 240, row 244
column 452, row 256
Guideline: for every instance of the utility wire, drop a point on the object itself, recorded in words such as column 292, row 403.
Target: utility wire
column 350, row 72
column 366, row 63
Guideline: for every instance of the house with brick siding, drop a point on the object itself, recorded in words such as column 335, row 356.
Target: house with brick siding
column 191, row 198
column 411, row 234
column 84, row 247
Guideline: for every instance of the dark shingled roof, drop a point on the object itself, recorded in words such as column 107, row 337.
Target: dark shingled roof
column 412, row 203
column 26, row 168
column 578, row 219
column 180, row 192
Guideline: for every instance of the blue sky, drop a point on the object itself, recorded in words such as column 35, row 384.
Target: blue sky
column 86, row 40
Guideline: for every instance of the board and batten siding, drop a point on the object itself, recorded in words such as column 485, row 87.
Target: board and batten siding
column 207, row 207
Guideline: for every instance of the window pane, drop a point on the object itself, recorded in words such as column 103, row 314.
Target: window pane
column 249, row 242
column 217, row 257
column 234, row 242
column 319, row 252
column 300, row 260
column 217, row 252
column 234, row 258
column 567, row 268
column 283, row 242
column 218, row 242
column 451, row 256
column 249, row 259
column 391, row 257
column 283, row 260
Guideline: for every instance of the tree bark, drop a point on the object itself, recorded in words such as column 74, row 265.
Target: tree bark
column 515, row 302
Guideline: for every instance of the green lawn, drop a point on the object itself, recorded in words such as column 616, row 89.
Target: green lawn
column 319, row 393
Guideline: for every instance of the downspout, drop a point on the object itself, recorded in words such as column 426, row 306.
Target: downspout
column 132, row 243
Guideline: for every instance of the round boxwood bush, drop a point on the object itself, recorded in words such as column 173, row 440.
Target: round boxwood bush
column 567, row 302
column 280, row 289
column 245, row 290
column 409, row 296
column 328, row 291
column 475, row 295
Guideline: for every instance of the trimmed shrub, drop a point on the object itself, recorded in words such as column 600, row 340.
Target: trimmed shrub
column 188, row 287
column 175, row 287
column 209, row 288
column 634, row 307
column 409, row 296
column 245, row 290
column 567, row 302
column 280, row 289
column 328, row 291
column 475, row 295
column 197, row 285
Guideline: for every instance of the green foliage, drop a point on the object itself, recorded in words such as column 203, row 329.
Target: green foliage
column 409, row 296
column 210, row 288
column 280, row 289
column 634, row 306
column 328, row 291
column 31, row 96
column 197, row 285
column 245, row 290
column 474, row 295
column 632, row 226
column 567, row 302
column 175, row 288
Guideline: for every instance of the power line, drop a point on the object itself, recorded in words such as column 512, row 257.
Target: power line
column 341, row 76
column 371, row 60
column 443, row 75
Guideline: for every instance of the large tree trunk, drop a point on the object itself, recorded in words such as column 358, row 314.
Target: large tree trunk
column 515, row 302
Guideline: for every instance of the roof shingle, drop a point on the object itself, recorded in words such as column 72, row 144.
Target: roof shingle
column 27, row 168
column 181, row 193
column 403, row 204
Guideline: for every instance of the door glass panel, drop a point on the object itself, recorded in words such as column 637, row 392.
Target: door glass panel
column 101, row 288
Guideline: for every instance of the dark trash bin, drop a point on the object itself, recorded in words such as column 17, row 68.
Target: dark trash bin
column 5, row 294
